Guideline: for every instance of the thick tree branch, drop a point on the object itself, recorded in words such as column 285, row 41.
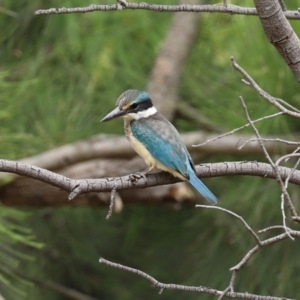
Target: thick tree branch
column 280, row 33
column 78, row 186
column 30, row 192
column 229, row 9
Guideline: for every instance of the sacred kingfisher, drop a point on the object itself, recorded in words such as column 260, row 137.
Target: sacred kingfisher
column 156, row 140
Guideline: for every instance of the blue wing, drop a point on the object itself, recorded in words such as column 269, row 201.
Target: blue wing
column 164, row 143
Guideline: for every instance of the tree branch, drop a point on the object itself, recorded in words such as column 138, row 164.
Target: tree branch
column 30, row 192
column 294, row 112
column 265, row 243
column 229, row 9
column 280, row 33
column 79, row 186
column 199, row 289
column 259, row 244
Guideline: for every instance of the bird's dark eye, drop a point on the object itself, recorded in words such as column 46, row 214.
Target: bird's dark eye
column 134, row 106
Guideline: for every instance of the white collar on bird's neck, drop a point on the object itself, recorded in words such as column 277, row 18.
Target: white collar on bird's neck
column 141, row 114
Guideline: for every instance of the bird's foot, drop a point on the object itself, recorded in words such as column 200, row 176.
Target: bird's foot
column 135, row 176
column 140, row 175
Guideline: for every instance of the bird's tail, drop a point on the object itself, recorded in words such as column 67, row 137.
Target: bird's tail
column 202, row 189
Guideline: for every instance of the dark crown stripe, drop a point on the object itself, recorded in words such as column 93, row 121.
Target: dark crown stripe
column 145, row 105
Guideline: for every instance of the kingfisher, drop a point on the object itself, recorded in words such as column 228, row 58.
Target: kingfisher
column 156, row 140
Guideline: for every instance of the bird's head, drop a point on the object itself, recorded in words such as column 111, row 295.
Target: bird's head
column 132, row 105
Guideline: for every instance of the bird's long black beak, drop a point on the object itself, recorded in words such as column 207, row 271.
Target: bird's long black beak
column 113, row 114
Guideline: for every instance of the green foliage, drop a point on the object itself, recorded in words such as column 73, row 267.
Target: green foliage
column 12, row 235
column 60, row 74
column 75, row 61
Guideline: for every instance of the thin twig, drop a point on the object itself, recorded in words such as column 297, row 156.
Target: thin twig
column 284, row 194
column 230, row 288
column 273, row 227
column 274, row 166
column 199, row 289
column 291, row 173
column 267, row 242
column 296, row 219
column 269, row 140
column 287, row 104
column 286, row 157
column 284, row 216
column 286, row 182
column 274, row 101
column 235, row 215
column 239, row 128
column 112, row 202
column 282, row 4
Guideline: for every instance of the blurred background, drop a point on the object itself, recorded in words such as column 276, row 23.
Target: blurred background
column 59, row 75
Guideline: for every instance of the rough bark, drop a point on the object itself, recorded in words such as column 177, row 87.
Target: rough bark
column 14, row 193
column 280, row 33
